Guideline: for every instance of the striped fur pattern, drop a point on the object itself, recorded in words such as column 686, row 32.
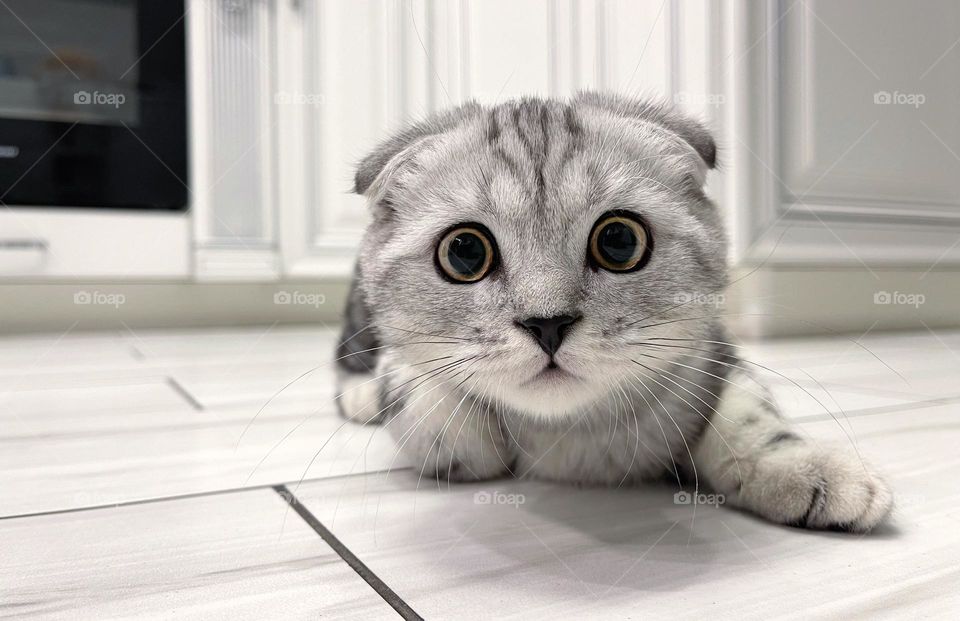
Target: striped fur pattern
column 650, row 385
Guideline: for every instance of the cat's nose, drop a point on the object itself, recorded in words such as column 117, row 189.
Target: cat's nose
column 549, row 331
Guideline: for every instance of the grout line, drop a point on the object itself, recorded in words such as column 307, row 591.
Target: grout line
column 378, row 585
column 215, row 492
column 183, row 392
column 880, row 409
column 855, row 389
column 98, row 433
column 135, row 352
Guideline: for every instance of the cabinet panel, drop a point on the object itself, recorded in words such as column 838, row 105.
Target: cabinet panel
column 364, row 68
column 868, row 93
column 232, row 104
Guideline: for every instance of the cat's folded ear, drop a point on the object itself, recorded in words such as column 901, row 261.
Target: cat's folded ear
column 397, row 152
column 691, row 131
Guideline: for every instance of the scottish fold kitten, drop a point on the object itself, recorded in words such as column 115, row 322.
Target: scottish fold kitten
column 528, row 303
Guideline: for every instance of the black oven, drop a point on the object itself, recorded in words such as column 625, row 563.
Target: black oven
column 93, row 108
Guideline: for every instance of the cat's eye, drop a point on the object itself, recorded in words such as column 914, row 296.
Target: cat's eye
column 620, row 242
column 466, row 253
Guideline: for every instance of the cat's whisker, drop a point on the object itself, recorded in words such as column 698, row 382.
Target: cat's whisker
column 663, row 432
column 348, row 419
column 611, row 429
column 438, row 439
column 693, row 383
column 637, row 441
column 705, row 418
column 411, row 431
column 759, row 396
column 328, row 440
column 835, row 402
column 677, row 338
column 768, row 369
column 683, row 438
column 317, row 454
column 513, row 437
column 370, row 439
column 675, row 424
column 433, row 373
column 453, row 450
column 390, row 467
column 302, row 376
column 477, row 402
column 452, row 418
column 812, row 324
column 431, row 334
column 408, row 433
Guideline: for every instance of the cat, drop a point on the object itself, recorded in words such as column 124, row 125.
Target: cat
column 528, row 302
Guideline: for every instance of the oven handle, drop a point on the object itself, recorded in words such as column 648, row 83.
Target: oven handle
column 21, row 257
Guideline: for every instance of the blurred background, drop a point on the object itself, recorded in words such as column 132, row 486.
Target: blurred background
column 189, row 163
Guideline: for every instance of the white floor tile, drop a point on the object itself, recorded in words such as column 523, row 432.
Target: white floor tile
column 90, row 420
column 179, row 451
column 236, row 556
column 473, row 551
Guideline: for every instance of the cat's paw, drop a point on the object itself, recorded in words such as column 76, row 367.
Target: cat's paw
column 812, row 487
column 358, row 398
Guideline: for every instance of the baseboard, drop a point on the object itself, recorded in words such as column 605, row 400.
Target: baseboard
column 58, row 307
column 809, row 300
column 761, row 303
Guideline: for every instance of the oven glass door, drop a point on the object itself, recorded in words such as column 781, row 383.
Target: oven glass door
column 93, row 103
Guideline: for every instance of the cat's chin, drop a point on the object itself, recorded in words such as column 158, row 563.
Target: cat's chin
column 551, row 394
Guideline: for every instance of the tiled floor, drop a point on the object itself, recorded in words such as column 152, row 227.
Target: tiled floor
column 139, row 476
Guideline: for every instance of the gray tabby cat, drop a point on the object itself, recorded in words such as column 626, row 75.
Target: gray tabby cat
column 527, row 303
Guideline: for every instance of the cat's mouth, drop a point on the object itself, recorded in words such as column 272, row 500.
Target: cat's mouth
column 551, row 373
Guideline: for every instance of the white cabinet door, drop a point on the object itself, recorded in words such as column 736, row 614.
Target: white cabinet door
column 233, row 74
column 39, row 244
column 843, row 127
column 352, row 72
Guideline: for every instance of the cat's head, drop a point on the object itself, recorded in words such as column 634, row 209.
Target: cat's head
column 538, row 240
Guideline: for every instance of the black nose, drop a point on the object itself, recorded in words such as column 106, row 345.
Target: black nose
column 548, row 331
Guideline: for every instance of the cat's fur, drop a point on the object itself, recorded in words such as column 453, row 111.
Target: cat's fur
column 658, row 391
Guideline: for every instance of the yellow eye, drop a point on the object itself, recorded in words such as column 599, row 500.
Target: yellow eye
column 466, row 253
column 619, row 243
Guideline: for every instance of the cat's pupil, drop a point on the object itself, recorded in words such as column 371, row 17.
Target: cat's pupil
column 617, row 243
column 467, row 254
